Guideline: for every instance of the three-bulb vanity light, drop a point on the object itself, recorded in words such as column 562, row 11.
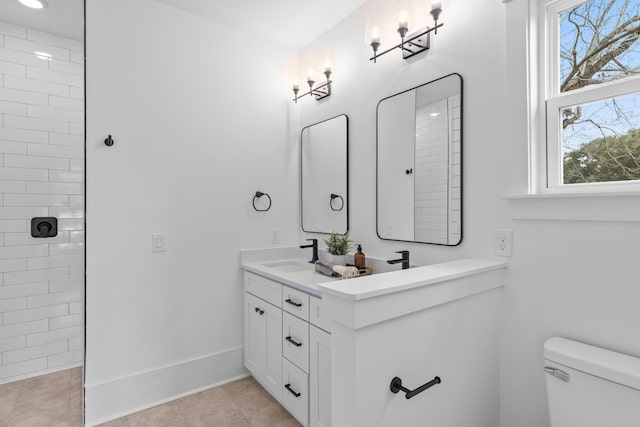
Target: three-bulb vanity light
column 413, row 44
column 319, row 92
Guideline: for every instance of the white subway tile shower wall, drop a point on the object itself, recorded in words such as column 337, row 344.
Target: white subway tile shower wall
column 437, row 172
column 41, row 174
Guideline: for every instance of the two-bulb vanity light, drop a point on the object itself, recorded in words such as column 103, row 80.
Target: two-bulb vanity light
column 413, row 44
column 320, row 91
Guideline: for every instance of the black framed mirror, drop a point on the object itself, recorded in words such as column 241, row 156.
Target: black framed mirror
column 419, row 163
column 324, row 173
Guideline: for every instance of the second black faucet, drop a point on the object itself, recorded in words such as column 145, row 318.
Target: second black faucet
column 404, row 260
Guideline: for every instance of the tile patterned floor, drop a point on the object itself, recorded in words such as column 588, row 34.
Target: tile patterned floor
column 52, row 400
column 242, row 403
column 55, row 400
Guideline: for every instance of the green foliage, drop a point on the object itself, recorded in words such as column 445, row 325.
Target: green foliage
column 604, row 159
column 338, row 244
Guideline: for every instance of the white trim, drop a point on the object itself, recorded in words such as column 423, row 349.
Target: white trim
column 115, row 398
column 605, row 206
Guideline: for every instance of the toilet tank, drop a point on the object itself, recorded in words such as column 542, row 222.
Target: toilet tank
column 589, row 386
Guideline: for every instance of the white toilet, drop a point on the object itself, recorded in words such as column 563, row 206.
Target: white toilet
column 589, row 386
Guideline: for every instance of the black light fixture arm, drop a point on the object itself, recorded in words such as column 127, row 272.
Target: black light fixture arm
column 402, row 45
column 396, row 386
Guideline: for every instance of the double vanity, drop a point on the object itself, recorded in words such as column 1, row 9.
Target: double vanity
column 328, row 349
column 410, row 347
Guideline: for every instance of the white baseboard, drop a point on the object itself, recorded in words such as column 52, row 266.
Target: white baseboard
column 116, row 398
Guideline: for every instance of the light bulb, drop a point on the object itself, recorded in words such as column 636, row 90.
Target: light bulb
column 375, row 34
column 436, row 5
column 402, row 19
column 34, row 4
column 327, row 65
column 310, row 74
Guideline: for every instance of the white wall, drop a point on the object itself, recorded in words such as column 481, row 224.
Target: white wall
column 41, row 174
column 202, row 118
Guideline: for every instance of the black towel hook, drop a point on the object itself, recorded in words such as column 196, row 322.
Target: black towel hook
column 258, row 195
column 333, row 197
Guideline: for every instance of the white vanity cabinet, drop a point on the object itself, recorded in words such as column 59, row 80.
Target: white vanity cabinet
column 288, row 348
column 262, row 337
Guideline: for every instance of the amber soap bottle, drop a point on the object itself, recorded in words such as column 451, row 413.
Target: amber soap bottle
column 359, row 260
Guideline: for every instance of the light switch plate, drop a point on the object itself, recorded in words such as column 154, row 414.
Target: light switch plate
column 158, row 242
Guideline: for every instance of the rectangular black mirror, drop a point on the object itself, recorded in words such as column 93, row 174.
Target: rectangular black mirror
column 324, row 162
column 419, row 164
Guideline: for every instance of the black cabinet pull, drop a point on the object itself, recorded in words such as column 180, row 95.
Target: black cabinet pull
column 295, row 304
column 109, row 141
column 297, row 344
column 396, row 386
column 260, row 312
column 288, row 387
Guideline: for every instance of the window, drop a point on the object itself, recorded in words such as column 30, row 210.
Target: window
column 591, row 90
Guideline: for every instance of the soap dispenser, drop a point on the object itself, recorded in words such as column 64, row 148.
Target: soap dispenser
column 359, row 258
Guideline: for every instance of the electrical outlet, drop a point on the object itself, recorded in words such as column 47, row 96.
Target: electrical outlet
column 275, row 236
column 503, row 243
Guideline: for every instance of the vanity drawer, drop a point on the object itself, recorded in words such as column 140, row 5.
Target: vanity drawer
column 316, row 316
column 295, row 392
column 266, row 289
column 295, row 340
column 295, row 302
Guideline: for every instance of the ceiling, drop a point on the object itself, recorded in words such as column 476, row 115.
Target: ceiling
column 61, row 17
column 292, row 23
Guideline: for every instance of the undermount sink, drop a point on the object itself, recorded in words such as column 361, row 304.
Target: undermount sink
column 290, row 266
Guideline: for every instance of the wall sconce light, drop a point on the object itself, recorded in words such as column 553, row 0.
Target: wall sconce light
column 319, row 92
column 410, row 45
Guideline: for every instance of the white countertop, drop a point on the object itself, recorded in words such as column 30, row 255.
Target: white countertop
column 306, row 281
column 387, row 283
column 257, row 261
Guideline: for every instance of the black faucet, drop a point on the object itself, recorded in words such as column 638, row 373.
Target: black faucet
column 314, row 245
column 404, row 260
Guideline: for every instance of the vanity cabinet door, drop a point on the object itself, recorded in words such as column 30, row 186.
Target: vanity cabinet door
column 319, row 377
column 263, row 342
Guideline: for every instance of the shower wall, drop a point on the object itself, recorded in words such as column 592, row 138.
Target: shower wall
column 41, row 174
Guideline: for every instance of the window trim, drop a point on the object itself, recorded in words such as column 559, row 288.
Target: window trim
column 544, row 77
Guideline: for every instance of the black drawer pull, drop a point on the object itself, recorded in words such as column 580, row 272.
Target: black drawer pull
column 260, row 312
column 288, row 387
column 297, row 344
column 295, row 304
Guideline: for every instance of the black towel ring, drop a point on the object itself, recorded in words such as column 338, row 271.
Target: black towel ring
column 258, row 195
column 333, row 197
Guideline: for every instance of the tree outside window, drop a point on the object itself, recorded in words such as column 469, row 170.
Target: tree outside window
column 599, row 44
